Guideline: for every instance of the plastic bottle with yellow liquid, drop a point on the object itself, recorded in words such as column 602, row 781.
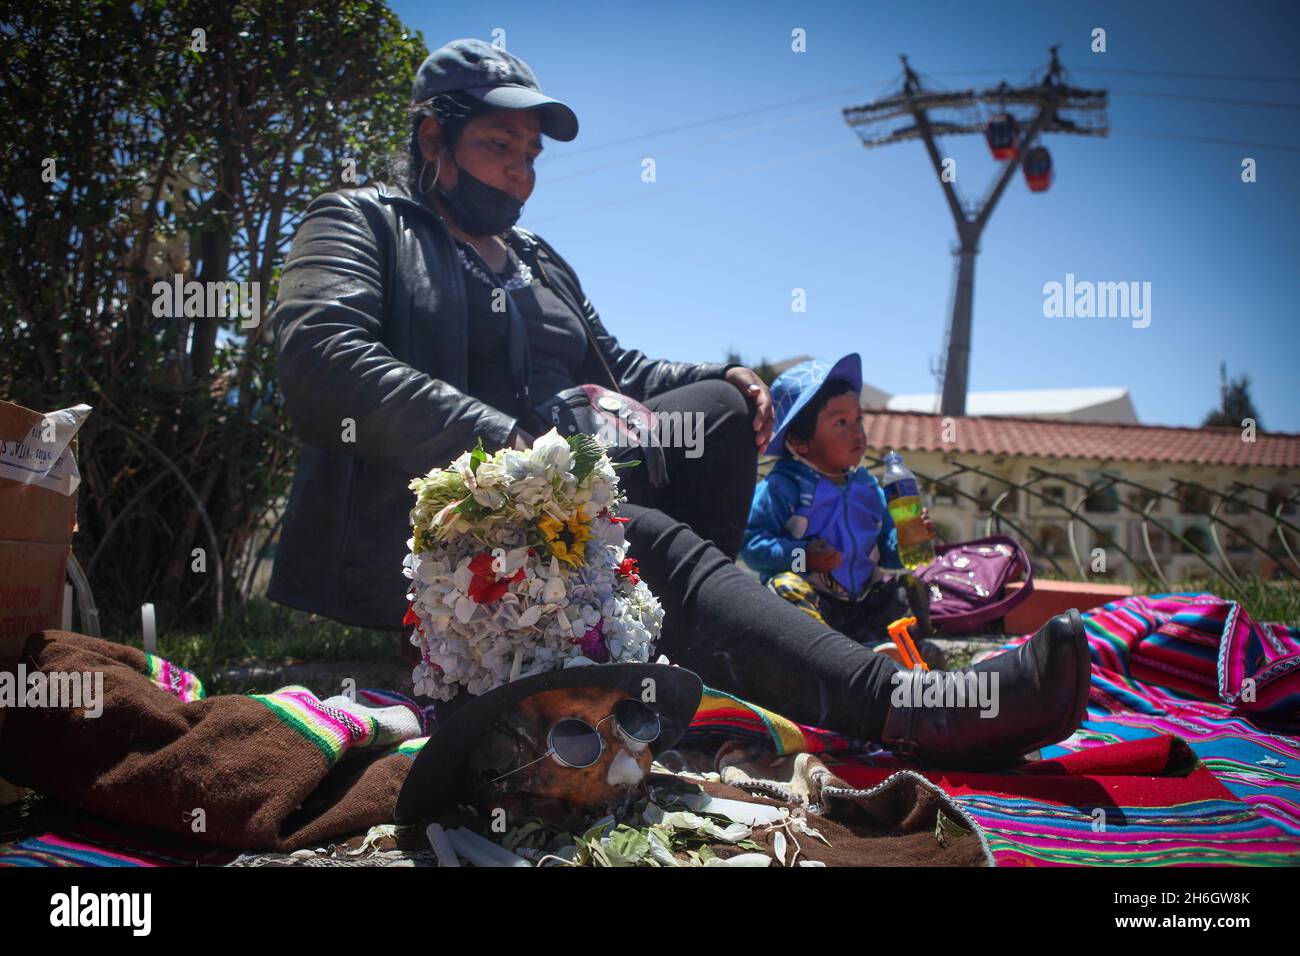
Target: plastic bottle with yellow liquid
column 903, row 497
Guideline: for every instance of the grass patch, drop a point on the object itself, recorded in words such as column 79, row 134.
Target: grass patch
column 263, row 633
column 1272, row 601
column 266, row 635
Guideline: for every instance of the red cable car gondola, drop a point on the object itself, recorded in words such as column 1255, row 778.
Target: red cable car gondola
column 1003, row 135
column 1038, row 169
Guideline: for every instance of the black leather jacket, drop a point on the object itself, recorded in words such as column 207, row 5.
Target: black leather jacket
column 371, row 328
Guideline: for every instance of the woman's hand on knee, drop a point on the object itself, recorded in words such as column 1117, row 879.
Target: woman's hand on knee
column 754, row 389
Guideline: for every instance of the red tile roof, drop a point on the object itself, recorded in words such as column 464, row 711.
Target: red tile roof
column 1040, row 438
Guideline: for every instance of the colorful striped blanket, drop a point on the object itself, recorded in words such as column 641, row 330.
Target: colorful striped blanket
column 1190, row 754
column 1196, row 667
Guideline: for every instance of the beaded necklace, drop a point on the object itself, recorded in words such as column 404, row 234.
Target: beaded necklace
column 521, row 278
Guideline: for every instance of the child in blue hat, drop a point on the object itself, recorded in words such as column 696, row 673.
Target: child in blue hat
column 819, row 531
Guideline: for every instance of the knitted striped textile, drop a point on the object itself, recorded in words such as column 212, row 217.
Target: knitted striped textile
column 377, row 718
column 175, row 680
column 722, row 717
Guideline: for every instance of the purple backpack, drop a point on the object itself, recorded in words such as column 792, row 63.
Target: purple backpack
column 966, row 582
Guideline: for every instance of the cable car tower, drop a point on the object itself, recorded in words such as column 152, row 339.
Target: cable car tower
column 1011, row 119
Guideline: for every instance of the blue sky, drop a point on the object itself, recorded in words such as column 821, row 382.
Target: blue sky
column 746, row 209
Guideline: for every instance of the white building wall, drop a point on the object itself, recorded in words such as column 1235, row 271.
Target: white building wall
column 962, row 519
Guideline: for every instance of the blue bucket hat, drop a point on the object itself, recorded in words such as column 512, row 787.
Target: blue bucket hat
column 796, row 386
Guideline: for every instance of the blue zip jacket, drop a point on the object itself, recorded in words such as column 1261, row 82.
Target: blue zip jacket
column 796, row 504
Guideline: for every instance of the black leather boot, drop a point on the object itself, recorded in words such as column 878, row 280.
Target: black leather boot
column 1034, row 695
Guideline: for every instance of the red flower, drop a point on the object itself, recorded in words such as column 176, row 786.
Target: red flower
column 485, row 588
column 628, row 569
column 411, row 616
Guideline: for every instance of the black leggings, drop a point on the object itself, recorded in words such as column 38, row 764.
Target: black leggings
column 712, row 491
column 742, row 638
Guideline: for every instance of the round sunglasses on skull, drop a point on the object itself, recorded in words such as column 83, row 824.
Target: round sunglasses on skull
column 583, row 747
column 576, row 744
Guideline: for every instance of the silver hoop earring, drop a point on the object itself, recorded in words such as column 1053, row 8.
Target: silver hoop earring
column 437, row 169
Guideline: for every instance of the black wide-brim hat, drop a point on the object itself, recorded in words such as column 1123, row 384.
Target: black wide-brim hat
column 439, row 780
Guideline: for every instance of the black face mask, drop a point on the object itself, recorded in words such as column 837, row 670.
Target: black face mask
column 479, row 209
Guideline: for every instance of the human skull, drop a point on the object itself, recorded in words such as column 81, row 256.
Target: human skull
column 548, row 788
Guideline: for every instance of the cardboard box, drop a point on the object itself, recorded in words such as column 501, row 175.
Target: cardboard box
column 38, row 513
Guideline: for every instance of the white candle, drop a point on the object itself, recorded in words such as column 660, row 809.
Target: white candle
column 150, row 629
column 441, row 844
column 481, row 851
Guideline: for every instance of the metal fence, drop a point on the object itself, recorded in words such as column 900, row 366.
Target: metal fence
column 1000, row 516
column 1114, row 494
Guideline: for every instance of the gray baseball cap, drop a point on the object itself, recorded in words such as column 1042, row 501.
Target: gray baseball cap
column 496, row 77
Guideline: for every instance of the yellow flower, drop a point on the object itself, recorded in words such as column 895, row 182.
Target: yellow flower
column 567, row 540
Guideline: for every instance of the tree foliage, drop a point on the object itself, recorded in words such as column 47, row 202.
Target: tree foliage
column 1235, row 404
column 765, row 370
column 155, row 139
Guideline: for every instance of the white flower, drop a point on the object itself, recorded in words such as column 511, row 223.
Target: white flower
column 492, row 474
column 520, row 466
column 512, row 561
column 554, row 591
column 489, row 498
column 553, row 453
column 445, row 518
column 465, row 467
column 612, row 532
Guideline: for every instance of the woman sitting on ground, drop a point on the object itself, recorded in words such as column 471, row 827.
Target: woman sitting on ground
column 414, row 319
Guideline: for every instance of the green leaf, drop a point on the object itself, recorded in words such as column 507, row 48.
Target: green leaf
column 598, row 855
column 626, row 845
column 946, row 828
column 472, row 509
column 586, row 454
column 661, row 847
column 477, row 456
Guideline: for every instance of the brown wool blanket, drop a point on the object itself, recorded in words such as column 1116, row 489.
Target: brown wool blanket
column 269, row 771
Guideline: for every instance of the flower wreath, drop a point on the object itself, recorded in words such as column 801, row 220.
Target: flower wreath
column 518, row 565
